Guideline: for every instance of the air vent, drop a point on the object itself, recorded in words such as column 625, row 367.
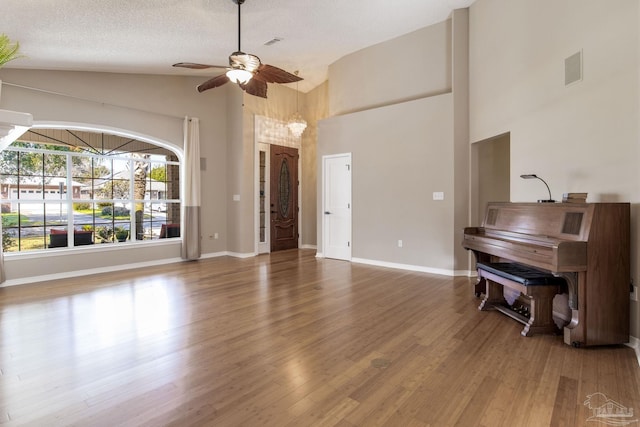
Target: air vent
column 573, row 68
column 273, row 41
column 572, row 223
column 492, row 216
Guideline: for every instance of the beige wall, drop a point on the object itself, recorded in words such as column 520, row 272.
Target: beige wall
column 316, row 107
column 579, row 138
column 401, row 154
column 281, row 105
column 408, row 136
column 152, row 106
column 461, row 158
column 490, row 171
column 409, row 67
column 239, row 177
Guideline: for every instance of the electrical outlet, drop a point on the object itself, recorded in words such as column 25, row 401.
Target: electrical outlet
column 399, row 243
column 215, row 235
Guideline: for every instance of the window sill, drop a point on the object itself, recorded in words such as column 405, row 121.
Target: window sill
column 95, row 248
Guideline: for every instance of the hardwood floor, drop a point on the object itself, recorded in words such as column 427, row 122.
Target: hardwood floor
column 287, row 340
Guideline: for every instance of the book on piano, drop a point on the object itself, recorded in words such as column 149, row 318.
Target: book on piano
column 574, row 198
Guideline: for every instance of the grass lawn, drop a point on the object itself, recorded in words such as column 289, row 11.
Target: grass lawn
column 11, row 220
column 27, row 243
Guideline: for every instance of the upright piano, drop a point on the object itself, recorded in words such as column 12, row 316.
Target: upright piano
column 587, row 244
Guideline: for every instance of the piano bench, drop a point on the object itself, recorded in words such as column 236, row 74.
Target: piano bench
column 540, row 287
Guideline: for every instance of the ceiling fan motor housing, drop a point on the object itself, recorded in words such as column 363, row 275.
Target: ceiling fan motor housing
column 244, row 61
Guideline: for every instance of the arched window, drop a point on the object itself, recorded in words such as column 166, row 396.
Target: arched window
column 63, row 188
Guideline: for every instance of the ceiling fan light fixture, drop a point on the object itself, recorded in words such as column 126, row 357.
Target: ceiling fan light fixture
column 239, row 76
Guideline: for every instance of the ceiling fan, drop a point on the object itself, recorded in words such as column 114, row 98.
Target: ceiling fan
column 244, row 69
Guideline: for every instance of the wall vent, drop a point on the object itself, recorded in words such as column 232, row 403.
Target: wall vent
column 573, row 68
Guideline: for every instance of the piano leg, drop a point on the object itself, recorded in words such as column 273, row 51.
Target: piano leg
column 574, row 332
column 541, row 320
column 494, row 295
column 480, row 287
column 481, row 284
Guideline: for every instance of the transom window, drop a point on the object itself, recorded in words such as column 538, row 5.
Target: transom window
column 64, row 188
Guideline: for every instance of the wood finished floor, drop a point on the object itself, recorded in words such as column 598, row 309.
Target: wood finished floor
column 287, row 340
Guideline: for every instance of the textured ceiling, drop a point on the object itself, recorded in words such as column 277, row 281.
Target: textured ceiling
column 147, row 36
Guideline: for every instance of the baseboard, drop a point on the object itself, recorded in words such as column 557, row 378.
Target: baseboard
column 228, row 253
column 241, row 255
column 213, row 255
column 409, row 267
column 634, row 343
column 86, row 272
column 308, row 247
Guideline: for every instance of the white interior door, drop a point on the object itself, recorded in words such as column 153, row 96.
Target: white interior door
column 336, row 206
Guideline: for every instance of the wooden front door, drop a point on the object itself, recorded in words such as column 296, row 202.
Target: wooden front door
column 284, row 198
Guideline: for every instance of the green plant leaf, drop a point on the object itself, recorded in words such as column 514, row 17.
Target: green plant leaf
column 8, row 50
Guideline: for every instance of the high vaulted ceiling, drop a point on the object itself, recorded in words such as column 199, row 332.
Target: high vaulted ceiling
column 148, row 36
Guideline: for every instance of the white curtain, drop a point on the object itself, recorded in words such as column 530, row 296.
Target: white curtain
column 191, row 221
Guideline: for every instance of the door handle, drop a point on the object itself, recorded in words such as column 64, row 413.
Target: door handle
column 327, row 213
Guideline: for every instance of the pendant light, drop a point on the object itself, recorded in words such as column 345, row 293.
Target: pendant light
column 297, row 124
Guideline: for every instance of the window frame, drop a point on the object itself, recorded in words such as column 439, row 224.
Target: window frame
column 67, row 203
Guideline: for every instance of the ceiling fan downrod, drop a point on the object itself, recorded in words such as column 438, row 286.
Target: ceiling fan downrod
column 239, row 3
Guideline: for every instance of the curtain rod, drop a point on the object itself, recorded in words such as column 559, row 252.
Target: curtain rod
column 50, row 92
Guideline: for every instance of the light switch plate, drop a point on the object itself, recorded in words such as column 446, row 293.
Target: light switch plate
column 438, row 195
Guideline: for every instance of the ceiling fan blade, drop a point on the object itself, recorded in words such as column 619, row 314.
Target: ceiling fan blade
column 270, row 74
column 255, row 87
column 196, row 66
column 214, row 82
